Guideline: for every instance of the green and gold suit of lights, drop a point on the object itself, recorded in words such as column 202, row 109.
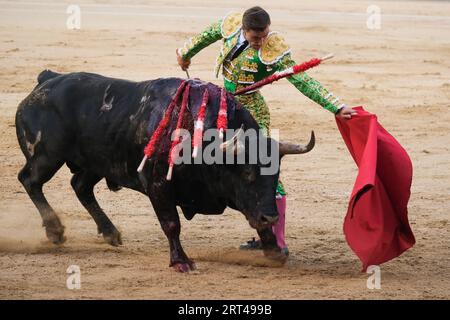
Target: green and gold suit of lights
column 253, row 65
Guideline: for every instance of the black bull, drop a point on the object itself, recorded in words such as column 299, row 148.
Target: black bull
column 99, row 127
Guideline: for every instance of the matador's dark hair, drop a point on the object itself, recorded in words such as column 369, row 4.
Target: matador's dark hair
column 255, row 18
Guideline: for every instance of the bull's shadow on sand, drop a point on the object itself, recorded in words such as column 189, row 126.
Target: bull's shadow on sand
column 237, row 257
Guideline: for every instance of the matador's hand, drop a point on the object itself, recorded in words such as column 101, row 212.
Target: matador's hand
column 346, row 113
column 184, row 64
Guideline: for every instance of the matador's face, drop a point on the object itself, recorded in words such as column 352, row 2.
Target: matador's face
column 256, row 38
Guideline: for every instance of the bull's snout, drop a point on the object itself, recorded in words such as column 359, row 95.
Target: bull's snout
column 263, row 219
column 267, row 218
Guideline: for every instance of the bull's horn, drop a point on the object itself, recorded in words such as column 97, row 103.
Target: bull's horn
column 238, row 147
column 292, row 148
column 227, row 145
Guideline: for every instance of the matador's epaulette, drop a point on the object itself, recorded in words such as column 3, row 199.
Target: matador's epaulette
column 231, row 24
column 273, row 48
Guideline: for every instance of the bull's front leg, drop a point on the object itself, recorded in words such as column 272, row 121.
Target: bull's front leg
column 270, row 246
column 166, row 211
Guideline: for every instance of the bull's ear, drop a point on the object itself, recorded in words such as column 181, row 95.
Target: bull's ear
column 292, row 148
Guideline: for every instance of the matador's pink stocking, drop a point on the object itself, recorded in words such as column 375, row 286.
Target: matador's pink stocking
column 278, row 228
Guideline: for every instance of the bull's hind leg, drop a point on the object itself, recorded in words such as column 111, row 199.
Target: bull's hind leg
column 170, row 223
column 36, row 172
column 83, row 183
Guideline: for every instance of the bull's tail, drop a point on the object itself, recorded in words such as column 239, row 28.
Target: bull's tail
column 46, row 75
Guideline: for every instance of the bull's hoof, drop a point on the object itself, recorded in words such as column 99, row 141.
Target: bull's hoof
column 277, row 255
column 184, row 267
column 113, row 237
column 55, row 235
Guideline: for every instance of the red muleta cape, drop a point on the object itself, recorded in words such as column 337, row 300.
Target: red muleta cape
column 376, row 226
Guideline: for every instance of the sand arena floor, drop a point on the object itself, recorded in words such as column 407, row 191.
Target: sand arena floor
column 401, row 72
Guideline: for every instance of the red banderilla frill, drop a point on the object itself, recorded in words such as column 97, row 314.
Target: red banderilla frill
column 283, row 74
column 156, row 136
column 177, row 139
column 199, row 124
column 222, row 116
